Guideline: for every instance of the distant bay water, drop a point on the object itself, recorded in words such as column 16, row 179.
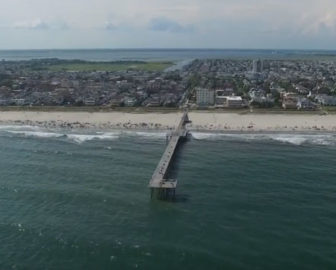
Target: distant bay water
column 79, row 200
column 157, row 54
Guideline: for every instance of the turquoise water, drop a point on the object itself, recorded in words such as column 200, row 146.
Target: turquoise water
column 70, row 200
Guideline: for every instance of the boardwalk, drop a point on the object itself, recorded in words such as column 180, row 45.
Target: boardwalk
column 159, row 183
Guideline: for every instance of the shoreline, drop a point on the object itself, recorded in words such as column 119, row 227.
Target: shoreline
column 201, row 121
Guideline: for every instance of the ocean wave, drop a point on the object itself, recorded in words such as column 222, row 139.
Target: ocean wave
column 37, row 134
column 129, row 133
column 294, row 139
column 290, row 138
column 80, row 138
column 207, row 136
column 18, row 127
column 155, row 135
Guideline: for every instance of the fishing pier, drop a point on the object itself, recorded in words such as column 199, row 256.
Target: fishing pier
column 160, row 185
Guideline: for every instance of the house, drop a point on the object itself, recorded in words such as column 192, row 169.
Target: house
column 225, row 92
column 326, row 100
column 116, row 101
column 89, row 101
column 234, row 102
column 263, row 101
column 289, row 101
column 18, row 101
column 4, row 102
column 259, row 97
column 229, row 102
column 220, row 101
column 256, row 93
column 130, row 101
column 306, row 104
column 153, row 102
column 302, row 90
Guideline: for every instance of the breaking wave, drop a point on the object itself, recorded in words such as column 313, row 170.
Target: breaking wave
column 80, row 138
column 18, row 127
column 37, row 134
column 295, row 139
column 150, row 135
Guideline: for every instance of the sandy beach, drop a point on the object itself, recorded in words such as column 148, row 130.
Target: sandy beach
column 201, row 121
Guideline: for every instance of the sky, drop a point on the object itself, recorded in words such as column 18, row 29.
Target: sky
column 252, row 24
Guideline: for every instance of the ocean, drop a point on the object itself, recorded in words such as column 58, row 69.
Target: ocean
column 175, row 55
column 78, row 199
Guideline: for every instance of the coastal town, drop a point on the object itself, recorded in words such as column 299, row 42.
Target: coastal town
column 216, row 84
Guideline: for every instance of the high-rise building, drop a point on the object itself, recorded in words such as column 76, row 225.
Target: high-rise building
column 205, row 97
column 257, row 66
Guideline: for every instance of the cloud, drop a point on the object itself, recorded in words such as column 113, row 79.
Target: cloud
column 163, row 24
column 39, row 24
column 110, row 26
column 59, row 25
column 315, row 24
column 36, row 24
column 178, row 23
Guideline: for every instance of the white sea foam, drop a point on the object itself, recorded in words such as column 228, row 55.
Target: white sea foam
column 206, row 136
column 37, row 134
column 18, row 127
column 144, row 134
column 299, row 139
column 295, row 139
column 218, row 136
column 156, row 135
column 324, row 141
column 291, row 139
column 80, row 138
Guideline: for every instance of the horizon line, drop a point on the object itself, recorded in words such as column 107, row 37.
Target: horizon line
column 162, row 48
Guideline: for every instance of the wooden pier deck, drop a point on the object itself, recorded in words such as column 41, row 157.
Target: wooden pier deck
column 159, row 183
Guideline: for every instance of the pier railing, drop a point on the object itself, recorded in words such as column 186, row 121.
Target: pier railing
column 160, row 185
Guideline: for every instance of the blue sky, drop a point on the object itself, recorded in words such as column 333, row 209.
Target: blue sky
column 282, row 24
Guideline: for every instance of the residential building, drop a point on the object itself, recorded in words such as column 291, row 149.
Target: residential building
column 130, row 101
column 257, row 66
column 90, row 101
column 221, row 101
column 234, row 102
column 326, row 100
column 205, row 97
column 229, row 102
column 289, row 101
column 306, row 104
column 18, row 101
